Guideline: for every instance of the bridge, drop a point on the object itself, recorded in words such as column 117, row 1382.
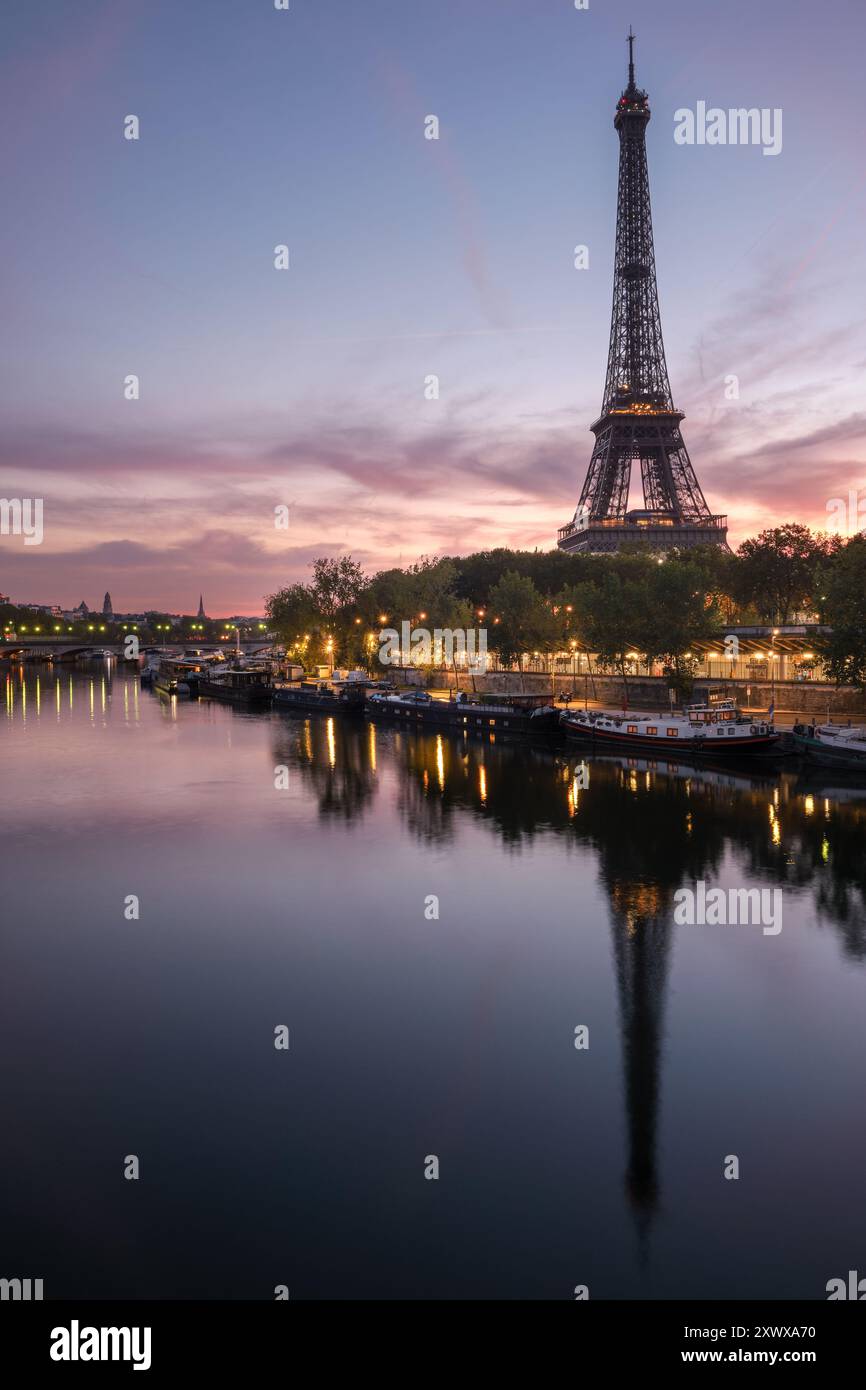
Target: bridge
column 60, row 649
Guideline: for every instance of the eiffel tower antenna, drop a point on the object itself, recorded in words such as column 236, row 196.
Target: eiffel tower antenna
column 638, row 420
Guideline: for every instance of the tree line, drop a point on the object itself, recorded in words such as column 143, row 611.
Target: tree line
column 545, row 602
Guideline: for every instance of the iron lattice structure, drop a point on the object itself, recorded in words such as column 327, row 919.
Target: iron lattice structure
column 638, row 420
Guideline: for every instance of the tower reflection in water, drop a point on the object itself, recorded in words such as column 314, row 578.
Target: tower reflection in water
column 653, row 826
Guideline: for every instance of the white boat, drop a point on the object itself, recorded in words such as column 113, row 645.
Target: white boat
column 841, row 744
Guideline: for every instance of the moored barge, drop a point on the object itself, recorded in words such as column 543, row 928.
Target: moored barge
column 489, row 713
column 712, row 731
column 837, row 745
column 322, row 697
column 250, row 687
column 175, row 676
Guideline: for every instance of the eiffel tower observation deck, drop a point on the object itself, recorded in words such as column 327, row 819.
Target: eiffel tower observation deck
column 638, row 420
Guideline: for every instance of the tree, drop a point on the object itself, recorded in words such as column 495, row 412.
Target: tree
column 778, row 569
column 320, row 617
column 292, row 613
column 843, row 606
column 522, row 621
column 336, row 584
column 608, row 614
column 677, row 612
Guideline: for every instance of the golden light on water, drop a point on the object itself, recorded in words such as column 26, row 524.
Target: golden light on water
column 440, row 762
column 372, row 747
column 809, row 805
column 332, row 744
column 482, row 784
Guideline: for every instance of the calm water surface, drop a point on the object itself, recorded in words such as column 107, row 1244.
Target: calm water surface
column 412, row 1037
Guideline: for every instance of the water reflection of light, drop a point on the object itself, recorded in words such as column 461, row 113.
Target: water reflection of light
column 440, row 762
column 308, row 742
column 825, row 849
column 92, row 702
column 688, row 822
column 332, row 744
column 826, row 808
column 482, row 784
column 57, row 698
column 102, row 693
column 425, row 780
column 38, row 696
column 372, row 735
column 809, row 805
column 637, row 903
column 632, row 781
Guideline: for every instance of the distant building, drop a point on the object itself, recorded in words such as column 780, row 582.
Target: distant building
column 107, row 610
column 201, row 613
column 50, row 609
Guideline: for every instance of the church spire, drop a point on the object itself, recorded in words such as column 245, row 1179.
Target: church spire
column 201, row 613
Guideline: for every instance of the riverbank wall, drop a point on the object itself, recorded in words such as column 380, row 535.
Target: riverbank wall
column 651, row 692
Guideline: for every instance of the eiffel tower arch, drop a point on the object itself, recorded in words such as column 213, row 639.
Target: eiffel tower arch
column 639, row 422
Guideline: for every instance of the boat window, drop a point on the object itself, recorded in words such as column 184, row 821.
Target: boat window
column 720, row 731
column 652, row 729
column 631, row 729
column 672, row 733
column 732, row 731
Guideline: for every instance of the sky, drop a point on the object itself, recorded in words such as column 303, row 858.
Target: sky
column 409, row 258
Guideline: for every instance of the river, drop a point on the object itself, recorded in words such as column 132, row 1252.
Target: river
column 429, row 920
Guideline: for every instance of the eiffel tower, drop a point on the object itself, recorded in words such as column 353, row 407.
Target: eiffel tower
column 638, row 418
